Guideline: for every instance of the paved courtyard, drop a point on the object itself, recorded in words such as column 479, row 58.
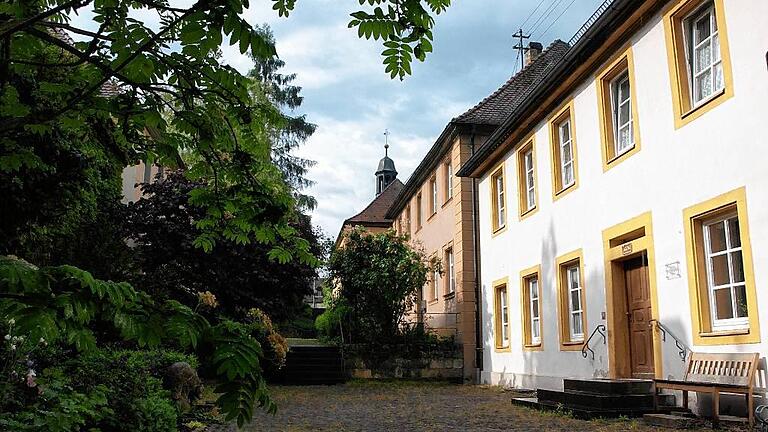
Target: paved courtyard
column 398, row 406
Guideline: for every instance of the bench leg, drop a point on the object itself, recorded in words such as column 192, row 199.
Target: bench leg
column 751, row 409
column 716, row 408
column 685, row 399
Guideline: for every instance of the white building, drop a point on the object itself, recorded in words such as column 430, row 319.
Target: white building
column 630, row 190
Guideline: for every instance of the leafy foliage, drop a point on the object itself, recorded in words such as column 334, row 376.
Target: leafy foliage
column 65, row 304
column 377, row 278
column 162, row 226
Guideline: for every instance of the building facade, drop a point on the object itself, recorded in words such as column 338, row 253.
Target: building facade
column 436, row 209
column 626, row 196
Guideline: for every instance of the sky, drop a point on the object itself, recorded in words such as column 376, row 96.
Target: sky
column 352, row 101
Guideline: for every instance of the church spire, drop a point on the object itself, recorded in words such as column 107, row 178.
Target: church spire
column 386, row 173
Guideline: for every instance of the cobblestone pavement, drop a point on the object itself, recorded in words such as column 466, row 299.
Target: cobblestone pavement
column 398, row 406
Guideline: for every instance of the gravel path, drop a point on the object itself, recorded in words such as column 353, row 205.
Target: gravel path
column 408, row 406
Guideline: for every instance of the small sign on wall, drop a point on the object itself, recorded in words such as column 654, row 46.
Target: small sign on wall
column 626, row 249
column 672, row 270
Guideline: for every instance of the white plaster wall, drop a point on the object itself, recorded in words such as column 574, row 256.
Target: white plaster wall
column 725, row 149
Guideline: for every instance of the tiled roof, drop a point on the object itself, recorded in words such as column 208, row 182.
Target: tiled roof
column 494, row 109
column 110, row 88
column 376, row 211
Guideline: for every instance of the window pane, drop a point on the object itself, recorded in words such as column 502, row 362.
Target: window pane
column 568, row 175
column 740, row 294
column 737, row 266
column 535, row 309
column 573, row 277
column 704, row 85
column 535, row 330
column 576, row 324
column 716, row 237
column 723, row 306
column 719, row 268
column 701, row 28
column 734, row 233
column 567, row 157
column 703, row 57
column 716, row 47
column 575, row 300
column 531, row 198
column 624, row 114
column 625, row 137
column 565, row 131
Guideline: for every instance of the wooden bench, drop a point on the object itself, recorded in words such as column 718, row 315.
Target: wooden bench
column 717, row 373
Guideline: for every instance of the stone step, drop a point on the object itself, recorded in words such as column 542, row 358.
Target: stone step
column 585, row 413
column 589, row 400
column 609, row 386
column 672, row 421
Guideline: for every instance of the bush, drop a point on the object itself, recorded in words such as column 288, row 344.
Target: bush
column 134, row 387
column 58, row 407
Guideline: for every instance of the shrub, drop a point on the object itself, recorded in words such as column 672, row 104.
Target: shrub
column 134, row 387
column 58, row 407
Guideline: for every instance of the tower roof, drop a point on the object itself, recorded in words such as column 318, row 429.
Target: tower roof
column 386, row 164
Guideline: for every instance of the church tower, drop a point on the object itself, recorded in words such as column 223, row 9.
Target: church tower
column 386, row 173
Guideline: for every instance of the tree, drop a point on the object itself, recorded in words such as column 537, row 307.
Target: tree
column 377, row 278
column 162, row 228
column 293, row 130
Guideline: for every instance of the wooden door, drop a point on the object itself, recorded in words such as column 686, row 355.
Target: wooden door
column 639, row 317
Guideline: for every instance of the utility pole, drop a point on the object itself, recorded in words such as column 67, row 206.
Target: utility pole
column 520, row 36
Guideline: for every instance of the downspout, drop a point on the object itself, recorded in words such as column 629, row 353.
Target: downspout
column 476, row 253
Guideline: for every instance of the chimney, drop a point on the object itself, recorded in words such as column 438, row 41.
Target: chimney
column 533, row 51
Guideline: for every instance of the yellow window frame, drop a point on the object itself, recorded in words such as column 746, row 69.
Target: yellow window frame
column 693, row 218
column 674, row 34
column 565, row 112
column 498, row 286
column 525, row 304
column 561, row 264
column 622, row 63
column 522, row 192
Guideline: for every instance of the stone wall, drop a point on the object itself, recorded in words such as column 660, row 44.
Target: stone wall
column 448, row 365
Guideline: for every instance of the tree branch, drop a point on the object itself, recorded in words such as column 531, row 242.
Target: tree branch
column 14, row 26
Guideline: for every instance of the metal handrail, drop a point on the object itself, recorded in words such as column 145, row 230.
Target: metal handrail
column 600, row 328
column 684, row 350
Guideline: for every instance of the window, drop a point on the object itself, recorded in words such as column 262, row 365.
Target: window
column 531, row 296
column 498, row 200
column 697, row 48
column 408, row 219
column 450, row 282
column 435, row 283
column 448, row 181
column 502, row 315
column 526, row 175
column 618, row 107
column 571, row 301
column 564, row 171
column 433, row 197
column 725, row 272
column 705, row 64
column 574, row 302
column 419, row 216
column 720, row 271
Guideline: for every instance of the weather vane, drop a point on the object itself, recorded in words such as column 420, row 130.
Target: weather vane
column 386, row 141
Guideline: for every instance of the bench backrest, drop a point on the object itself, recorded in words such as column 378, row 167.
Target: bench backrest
column 722, row 368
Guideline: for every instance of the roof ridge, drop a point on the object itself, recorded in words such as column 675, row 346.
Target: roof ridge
column 525, row 70
column 373, row 201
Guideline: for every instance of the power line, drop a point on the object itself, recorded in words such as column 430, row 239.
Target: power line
column 546, row 14
column 532, row 12
column 557, row 19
